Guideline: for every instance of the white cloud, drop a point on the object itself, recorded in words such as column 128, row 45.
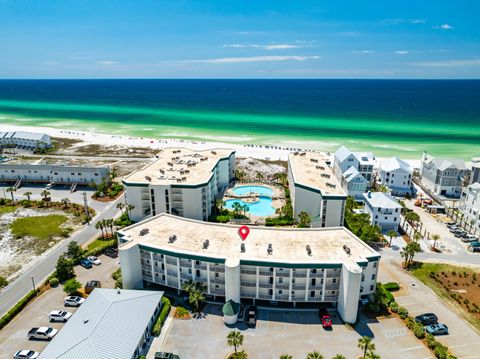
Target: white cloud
column 444, row 27
column 50, row 62
column 450, row 63
column 107, row 62
column 230, row 60
column 363, row 52
column 417, row 21
column 270, row 46
column 401, row 52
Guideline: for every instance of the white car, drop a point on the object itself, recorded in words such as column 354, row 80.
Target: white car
column 59, row 316
column 94, row 260
column 73, row 301
column 26, row 354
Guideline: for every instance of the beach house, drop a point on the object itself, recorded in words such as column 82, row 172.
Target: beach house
column 315, row 190
column 25, row 140
column 180, row 181
column 363, row 162
column 470, row 207
column 396, row 174
column 383, row 209
column 443, row 176
column 354, row 183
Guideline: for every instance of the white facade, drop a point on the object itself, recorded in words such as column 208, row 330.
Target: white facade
column 384, row 211
column 169, row 250
column 363, row 162
column 443, row 176
column 28, row 140
column 181, row 182
column 396, row 174
column 354, row 183
column 470, row 206
column 315, row 190
column 39, row 173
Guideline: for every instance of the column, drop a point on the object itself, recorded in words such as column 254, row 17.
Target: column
column 349, row 293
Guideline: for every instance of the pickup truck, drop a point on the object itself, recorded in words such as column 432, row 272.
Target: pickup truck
column 42, row 333
column 252, row 316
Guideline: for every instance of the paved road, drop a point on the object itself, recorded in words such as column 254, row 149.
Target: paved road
column 78, row 157
column 45, row 264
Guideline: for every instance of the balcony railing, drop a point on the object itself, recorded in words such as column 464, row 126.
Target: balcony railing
column 248, row 271
column 299, row 275
column 315, row 287
column 265, row 272
column 314, row 299
column 186, row 276
column 265, row 296
column 171, row 261
column 217, row 280
column 333, row 274
column 281, row 297
column 217, row 269
column 248, row 295
column 201, row 266
column 331, row 298
column 217, row 292
column 282, row 274
column 331, row 286
column 248, row 284
column 282, row 285
column 172, row 273
column 265, row 285
column 298, row 286
column 316, row 275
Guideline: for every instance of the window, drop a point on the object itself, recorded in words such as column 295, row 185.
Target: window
column 334, row 280
column 371, row 287
column 374, row 264
column 216, row 274
column 280, row 280
column 373, row 276
column 312, row 293
column 280, row 292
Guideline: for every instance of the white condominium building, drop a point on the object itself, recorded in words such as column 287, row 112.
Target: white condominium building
column 362, row 161
column 28, row 140
column 181, row 182
column 396, row 174
column 470, row 207
column 322, row 265
column 443, row 176
column 315, row 190
column 384, row 211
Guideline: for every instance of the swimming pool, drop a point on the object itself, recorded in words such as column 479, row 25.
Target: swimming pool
column 261, row 190
column 262, row 208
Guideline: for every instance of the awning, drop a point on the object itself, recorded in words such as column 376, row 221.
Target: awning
column 231, row 308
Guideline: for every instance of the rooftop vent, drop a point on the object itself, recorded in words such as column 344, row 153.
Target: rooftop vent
column 148, row 178
column 242, row 247
column 346, row 249
column 270, row 248
column 144, row 231
column 309, row 250
column 314, row 160
column 206, row 243
column 213, row 152
column 170, row 163
column 172, row 238
column 118, row 291
column 303, row 154
column 331, row 185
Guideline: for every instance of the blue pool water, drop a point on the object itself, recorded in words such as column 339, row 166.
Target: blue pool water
column 261, row 190
column 263, row 207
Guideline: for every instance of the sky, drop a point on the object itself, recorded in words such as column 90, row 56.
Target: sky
column 239, row 39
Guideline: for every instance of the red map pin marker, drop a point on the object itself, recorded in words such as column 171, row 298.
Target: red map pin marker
column 243, row 231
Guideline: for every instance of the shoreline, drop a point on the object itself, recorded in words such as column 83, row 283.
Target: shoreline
column 262, row 152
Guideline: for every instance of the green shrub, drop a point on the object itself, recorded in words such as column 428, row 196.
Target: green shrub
column 17, row 308
column 394, row 307
column 98, row 247
column 53, row 282
column 223, row 219
column 181, row 311
column 440, row 351
column 3, row 282
column 402, row 312
column 391, row 286
column 71, row 286
column 410, row 323
column 419, row 330
column 166, row 306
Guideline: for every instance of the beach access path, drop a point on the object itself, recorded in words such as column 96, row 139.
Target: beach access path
column 43, row 266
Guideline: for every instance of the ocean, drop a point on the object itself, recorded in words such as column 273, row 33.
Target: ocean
column 387, row 117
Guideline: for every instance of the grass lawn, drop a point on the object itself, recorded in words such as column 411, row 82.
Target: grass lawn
column 457, row 285
column 100, row 243
column 41, row 227
column 7, row 209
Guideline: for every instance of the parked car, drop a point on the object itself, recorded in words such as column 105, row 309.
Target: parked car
column 437, row 329
column 59, row 316
column 163, row 355
column 42, row 333
column 73, row 301
column 91, row 285
column 252, row 316
column 470, row 238
column 26, row 354
column 326, row 322
column 94, row 260
column 85, row 263
column 426, row 318
column 111, row 252
column 474, row 246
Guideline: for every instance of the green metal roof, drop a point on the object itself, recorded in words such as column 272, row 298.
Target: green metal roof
column 231, row 308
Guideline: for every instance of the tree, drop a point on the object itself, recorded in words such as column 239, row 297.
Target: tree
column 11, row 190
column 286, row 356
column 129, row 210
column 305, row 220
column 409, row 251
column 45, row 194
column 417, row 236
column 121, row 206
column 65, row 202
column 74, row 251
column 314, row 355
column 366, row 344
column 259, row 176
column 99, row 225
column 237, row 207
column 412, row 218
column 435, row 238
column 391, row 233
column 188, row 286
column 235, row 339
column 339, row 356
column 28, row 194
column 240, row 355
column 71, row 286
column 3, row 282
column 64, row 268
column 196, row 298
column 219, row 205
column 372, row 355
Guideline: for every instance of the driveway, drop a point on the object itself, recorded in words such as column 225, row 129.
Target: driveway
column 14, row 336
column 285, row 332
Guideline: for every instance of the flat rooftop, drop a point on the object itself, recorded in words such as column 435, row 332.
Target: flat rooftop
column 288, row 244
column 180, row 165
column 310, row 169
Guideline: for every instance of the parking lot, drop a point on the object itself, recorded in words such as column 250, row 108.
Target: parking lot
column 286, row 332
column 14, row 336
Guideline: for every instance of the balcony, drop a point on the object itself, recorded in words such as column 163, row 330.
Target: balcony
column 172, row 273
column 172, row 261
column 331, row 298
column 298, row 286
column 248, row 295
column 299, row 275
column 201, row 266
column 217, row 280
column 184, row 263
column 248, row 271
column 265, row 272
column 217, row 269
column 248, row 284
column 316, row 275
column 281, row 297
column 265, row 296
column 282, row 274
column 331, row 286
column 265, row 285
column 315, row 299
column 331, row 274
column 187, row 276
column 282, row 286
column 217, row 292
column 315, row 287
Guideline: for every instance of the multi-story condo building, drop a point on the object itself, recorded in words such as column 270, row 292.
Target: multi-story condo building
column 295, row 266
column 362, row 161
column 470, row 206
column 28, row 140
column 443, row 176
column 384, row 211
column 43, row 173
column 354, row 183
column 396, row 174
column 181, row 181
column 315, row 190
column 475, row 174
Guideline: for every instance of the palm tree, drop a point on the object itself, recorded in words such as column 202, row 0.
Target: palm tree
column 286, row 356
column 28, row 194
column 372, row 355
column 417, row 236
column 196, row 298
column 245, row 209
column 45, row 194
column 188, row 286
column 99, row 225
column 11, row 190
column 391, row 233
column 219, row 204
column 237, row 207
column 305, row 220
column 314, row 355
column 435, row 238
column 129, row 210
column 339, row 356
column 110, row 225
column 366, row 344
column 241, row 355
column 235, row 339
column 259, row 176
column 65, row 202
column 409, row 251
column 121, row 206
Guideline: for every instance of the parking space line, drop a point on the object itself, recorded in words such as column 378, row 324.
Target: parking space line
column 412, row 348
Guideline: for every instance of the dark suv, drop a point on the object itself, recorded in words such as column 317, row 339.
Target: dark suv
column 426, row 319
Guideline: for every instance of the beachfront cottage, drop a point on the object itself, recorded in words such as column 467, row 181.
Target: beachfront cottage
column 396, row 174
column 362, row 161
column 315, row 190
column 384, row 211
column 25, row 140
column 354, row 183
column 180, row 181
column 443, row 176
column 470, row 207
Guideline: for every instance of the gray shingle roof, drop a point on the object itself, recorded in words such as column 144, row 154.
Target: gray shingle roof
column 381, row 200
column 107, row 325
column 395, row 163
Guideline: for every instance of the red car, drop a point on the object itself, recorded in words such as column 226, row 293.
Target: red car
column 326, row 322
